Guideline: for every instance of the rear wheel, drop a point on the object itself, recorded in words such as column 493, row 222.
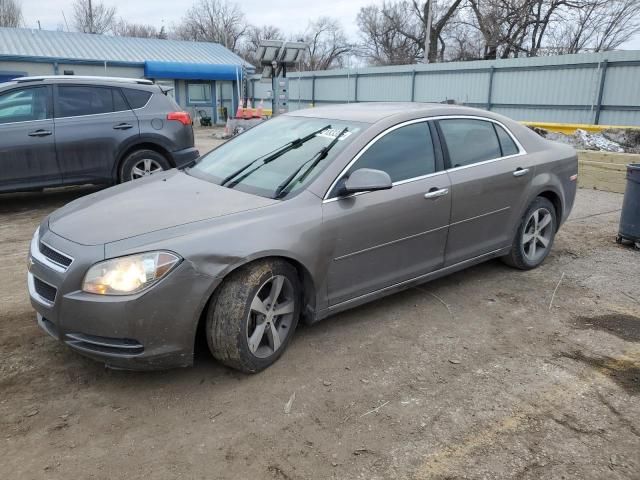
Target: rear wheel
column 534, row 237
column 252, row 316
column 142, row 163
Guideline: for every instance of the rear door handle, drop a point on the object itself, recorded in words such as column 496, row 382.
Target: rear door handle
column 40, row 133
column 123, row 126
column 520, row 172
column 436, row 192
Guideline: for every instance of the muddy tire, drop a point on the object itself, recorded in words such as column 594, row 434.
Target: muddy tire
column 142, row 163
column 253, row 314
column 534, row 236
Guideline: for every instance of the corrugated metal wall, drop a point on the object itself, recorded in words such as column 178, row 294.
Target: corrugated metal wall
column 593, row 88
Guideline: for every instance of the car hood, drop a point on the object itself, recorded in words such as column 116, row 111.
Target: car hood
column 161, row 201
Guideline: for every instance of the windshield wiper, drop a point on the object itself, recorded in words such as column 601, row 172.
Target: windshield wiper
column 293, row 144
column 281, row 191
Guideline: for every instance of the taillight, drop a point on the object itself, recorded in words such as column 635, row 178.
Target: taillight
column 182, row 117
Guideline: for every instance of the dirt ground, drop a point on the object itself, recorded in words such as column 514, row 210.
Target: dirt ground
column 474, row 376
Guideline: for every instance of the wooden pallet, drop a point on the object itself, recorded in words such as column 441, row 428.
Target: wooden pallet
column 603, row 170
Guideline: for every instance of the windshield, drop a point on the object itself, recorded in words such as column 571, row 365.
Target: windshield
column 269, row 141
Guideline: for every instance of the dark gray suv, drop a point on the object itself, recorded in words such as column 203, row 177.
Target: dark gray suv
column 68, row 130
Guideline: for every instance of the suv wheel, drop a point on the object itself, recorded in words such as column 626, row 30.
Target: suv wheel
column 253, row 314
column 534, row 237
column 142, row 163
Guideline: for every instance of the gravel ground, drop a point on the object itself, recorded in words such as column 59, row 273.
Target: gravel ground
column 472, row 376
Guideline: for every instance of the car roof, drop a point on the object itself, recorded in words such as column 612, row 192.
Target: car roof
column 372, row 112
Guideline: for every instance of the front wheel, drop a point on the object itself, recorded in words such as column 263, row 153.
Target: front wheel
column 534, row 237
column 252, row 316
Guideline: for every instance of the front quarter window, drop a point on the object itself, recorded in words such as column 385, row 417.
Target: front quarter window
column 295, row 142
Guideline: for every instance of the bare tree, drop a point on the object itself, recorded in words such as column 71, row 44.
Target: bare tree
column 598, row 25
column 327, row 44
column 474, row 29
column 91, row 16
column 382, row 42
column 10, row 13
column 122, row 28
column 442, row 13
column 396, row 31
column 213, row 21
column 503, row 25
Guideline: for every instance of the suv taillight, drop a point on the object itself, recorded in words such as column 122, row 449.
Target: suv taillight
column 182, row 117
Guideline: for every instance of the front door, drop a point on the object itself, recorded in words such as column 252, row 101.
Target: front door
column 489, row 173
column 386, row 237
column 92, row 122
column 27, row 144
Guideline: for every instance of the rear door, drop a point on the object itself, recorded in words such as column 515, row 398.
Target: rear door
column 387, row 237
column 27, row 148
column 92, row 122
column 490, row 173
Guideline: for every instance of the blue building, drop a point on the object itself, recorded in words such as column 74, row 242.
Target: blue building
column 204, row 76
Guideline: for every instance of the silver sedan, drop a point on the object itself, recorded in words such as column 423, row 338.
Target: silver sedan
column 301, row 217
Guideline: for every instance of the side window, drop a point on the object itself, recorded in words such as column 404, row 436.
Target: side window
column 136, row 98
column 76, row 100
column 507, row 144
column 469, row 141
column 404, row 153
column 24, row 105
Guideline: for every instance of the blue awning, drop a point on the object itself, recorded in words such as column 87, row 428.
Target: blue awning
column 191, row 71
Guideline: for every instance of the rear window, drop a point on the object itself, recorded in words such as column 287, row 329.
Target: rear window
column 136, row 98
column 470, row 141
column 78, row 100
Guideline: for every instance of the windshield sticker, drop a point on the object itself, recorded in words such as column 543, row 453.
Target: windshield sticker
column 333, row 133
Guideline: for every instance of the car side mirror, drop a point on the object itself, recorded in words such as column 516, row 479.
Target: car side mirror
column 366, row 180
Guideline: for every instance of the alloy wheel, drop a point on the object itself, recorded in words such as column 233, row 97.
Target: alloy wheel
column 270, row 316
column 144, row 168
column 537, row 234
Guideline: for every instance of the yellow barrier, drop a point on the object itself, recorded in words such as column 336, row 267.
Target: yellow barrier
column 570, row 128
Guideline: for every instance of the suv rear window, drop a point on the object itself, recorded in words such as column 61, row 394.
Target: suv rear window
column 136, row 98
column 78, row 100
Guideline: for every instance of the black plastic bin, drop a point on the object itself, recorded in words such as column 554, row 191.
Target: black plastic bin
column 630, row 216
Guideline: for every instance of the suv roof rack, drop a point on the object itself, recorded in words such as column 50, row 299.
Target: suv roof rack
column 139, row 81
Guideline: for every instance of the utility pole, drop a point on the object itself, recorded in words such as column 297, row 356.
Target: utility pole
column 90, row 18
column 427, row 37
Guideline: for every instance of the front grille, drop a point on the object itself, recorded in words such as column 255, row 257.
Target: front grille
column 46, row 291
column 113, row 346
column 55, row 256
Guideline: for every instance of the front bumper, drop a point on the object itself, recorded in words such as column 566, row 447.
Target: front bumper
column 181, row 158
column 151, row 330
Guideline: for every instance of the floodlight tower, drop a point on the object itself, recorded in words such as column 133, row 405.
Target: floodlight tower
column 275, row 56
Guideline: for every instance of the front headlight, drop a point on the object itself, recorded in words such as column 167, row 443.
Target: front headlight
column 128, row 275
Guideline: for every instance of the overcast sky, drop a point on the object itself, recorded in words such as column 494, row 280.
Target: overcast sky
column 291, row 16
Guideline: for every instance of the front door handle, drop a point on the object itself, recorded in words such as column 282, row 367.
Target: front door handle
column 436, row 192
column 40, row 133
column 123, row 126
column 520, row 172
